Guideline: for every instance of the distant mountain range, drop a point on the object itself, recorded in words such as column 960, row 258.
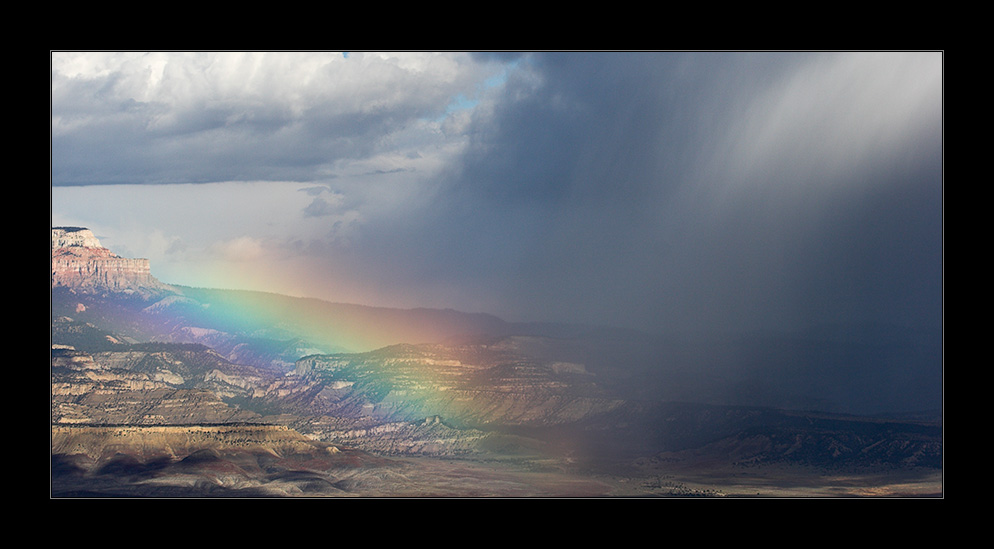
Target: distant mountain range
column 334, row 380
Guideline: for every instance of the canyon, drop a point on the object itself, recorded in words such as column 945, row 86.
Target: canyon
column 168, row 391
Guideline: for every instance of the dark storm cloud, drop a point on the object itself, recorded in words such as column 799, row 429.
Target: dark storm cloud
column 673, row 190
column 710, row 191
column 210, row 144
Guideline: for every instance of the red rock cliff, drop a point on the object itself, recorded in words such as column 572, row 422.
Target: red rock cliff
column 80, row 262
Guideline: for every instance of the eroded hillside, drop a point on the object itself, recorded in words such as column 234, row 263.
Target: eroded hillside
column 160, row 390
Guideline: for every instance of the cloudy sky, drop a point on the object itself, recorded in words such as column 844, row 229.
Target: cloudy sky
column 663, row 190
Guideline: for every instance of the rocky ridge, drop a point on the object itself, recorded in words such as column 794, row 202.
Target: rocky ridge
column 149, row 442
column 142, row 388
column 473, row 385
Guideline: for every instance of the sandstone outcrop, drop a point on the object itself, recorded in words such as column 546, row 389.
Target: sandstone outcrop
column 79, row 262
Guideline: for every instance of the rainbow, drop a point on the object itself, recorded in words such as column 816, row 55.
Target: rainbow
column 340, row 327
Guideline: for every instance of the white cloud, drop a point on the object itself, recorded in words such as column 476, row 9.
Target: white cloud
column 244, row 248
column 297, row 81
column 138, row 117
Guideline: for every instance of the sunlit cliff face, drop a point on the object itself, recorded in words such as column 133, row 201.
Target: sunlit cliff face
column 80, row 262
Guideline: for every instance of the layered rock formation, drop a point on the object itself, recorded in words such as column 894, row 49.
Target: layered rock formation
column 79, row 262
column 145, row 388
column 172, row 394
column 442, row 400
